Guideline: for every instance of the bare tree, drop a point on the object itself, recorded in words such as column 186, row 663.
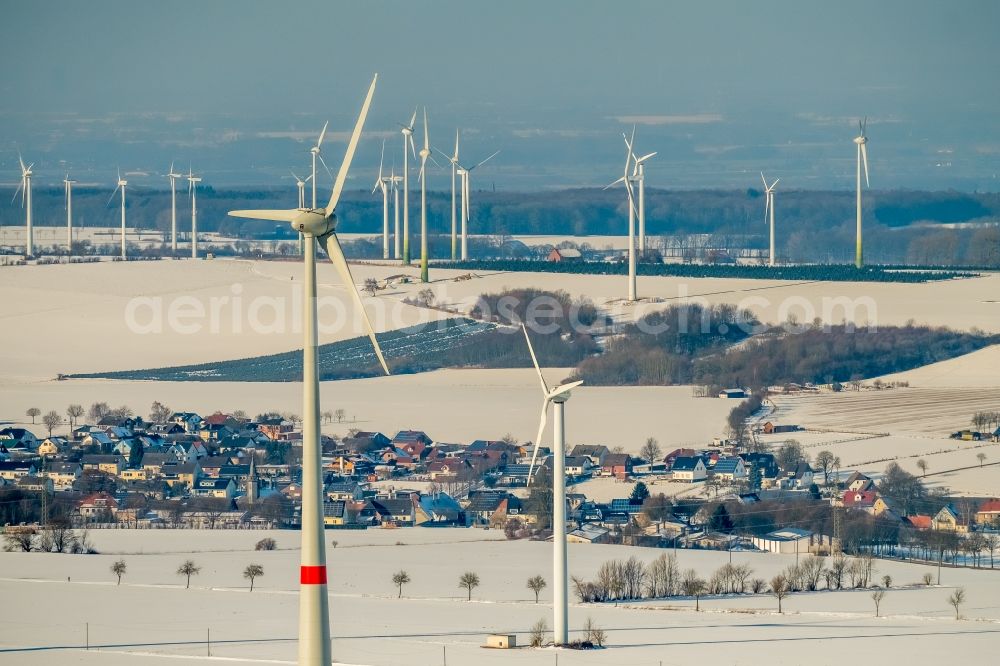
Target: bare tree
column 22, row 541
column 922, row 466
column 51, row 420
column 469, row 580
column 536, row 584
column 371, row 286
column 538, row 632
column 779, row 588
column 158, row 412
column 956, row 599
column 877, row 597
column 118, row 569
column 251, row 573
column 981, row 457
column 188, row 569
column 400, row 578
column 327, row 416
column 266, row 543
column 824, row 459
column 593, row 633
column 650, row 451
column 33, row 412
column 98, row 411
column 74, row 412
column 693, row 586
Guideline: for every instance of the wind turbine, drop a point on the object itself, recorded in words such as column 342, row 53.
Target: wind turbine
column 465, row 173
column 453, row 158
column 560, row 576
column 769, row 206
column 68, row 184
column 425, row 152
column 193, row 181
column 318, row 224
column 301, row 184
column 626, row 179
column 314, row 151
column 25, row 189
column 395, row 180
column 382, row 183
column 122, row 184
column 862, row 141
column 407, row 131
column 173, row 207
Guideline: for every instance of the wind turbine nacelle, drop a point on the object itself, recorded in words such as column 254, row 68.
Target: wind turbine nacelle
column 860, row 140
column 314, row 223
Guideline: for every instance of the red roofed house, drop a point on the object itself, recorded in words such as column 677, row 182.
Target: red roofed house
column 989, row 513
column 921, row 522
column 860, row 499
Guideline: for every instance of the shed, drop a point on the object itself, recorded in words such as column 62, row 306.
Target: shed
column 501, row 641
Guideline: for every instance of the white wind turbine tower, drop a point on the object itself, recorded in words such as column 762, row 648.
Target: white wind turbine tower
column 25, row 189
column 407, row 131
column 301, row 185
column 395, row 180
column 382, row 183
column 862, row 141
column 769, row 206
column 68, row 185
column 626, row 179
column 639, row 175
column 560, row 576
column 193, row 181
column 318, row 225
column 173, row 207
column 464, row 174
column 122, row 184
column 425, row 152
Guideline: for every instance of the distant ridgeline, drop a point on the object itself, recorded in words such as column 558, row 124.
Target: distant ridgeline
column 716, row 346
column 813, row 225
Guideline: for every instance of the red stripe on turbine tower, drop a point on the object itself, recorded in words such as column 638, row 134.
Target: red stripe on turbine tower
column 313, row 575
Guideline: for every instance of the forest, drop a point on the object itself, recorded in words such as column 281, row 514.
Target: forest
column 901, row 227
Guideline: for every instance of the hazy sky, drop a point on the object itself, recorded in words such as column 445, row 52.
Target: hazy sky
column 721, row 89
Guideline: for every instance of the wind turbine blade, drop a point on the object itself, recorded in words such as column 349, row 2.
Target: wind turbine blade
column 434, row 161
column 763, row 180
column 297, row 179
column 171, row 172
column 338, row 185
column 413, row 119
column 20, row 161
column 427, row 141
column 610, row 185
column 485, row 161
column 774, row 183
column 323, row 162
column 565, row 388
column 276, row 215
column 534, row 360
column 20, row 188
column 767, row 204
column 336, row 255
column 322, row 134
column 413, row 150
column 381, row 159
column 112, row 197
column 455, row 158
column 864, row 157
column 645, row 157
column 538, row 438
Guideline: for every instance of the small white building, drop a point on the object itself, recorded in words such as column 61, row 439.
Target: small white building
column 791, row 540
column 689, row 469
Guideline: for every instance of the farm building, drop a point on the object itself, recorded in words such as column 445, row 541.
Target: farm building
column 565, row 254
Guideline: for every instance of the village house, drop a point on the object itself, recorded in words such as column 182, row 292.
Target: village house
column 98, row 508
column 53, row 446
column 689, row 469
column 438, row 507
column 215, row 488
column 491, row 508
column 569, row 254
column 578, row 466
column 108, row 464
column 731, row 469
column 182, row 474
column 859, row 482
column 12, row 470
column 800, row 478
column 596, row 453
column 589, row 533
column 187, row 420
column 618, row 465
column 792, row 540
column 18, row 439
column 989, row 513
column 34, row 484
column 948, row 520
column 63, row 475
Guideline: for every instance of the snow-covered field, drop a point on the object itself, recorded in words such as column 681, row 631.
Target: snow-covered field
column 151, row 619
